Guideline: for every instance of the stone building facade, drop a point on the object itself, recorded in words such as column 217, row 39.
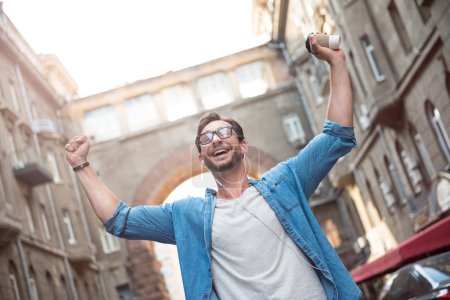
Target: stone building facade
column 50, row 246
column 398, row 53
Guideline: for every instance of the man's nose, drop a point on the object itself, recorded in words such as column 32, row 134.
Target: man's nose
column 216, row 139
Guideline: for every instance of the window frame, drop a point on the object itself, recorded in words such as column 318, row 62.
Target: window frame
column 293, row 121
column 182, row 97
column 215, row 86
column 111, row 114
column 245, row 75
column 71, row 239
column 372, row 58
column 15, row 286
column 439, row 131
column 45, row 225
column 52, row 162
column 141, row 103
column 110, row 243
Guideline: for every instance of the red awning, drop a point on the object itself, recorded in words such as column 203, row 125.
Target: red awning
column 433, row 238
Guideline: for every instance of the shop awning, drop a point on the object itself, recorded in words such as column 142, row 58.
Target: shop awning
column 433, row 238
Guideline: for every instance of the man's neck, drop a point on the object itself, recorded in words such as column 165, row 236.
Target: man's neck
column 232, row 183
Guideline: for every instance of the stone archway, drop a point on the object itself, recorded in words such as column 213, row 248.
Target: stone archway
column 160, row 181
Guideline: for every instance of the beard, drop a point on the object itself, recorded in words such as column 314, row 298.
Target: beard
column 224, row 166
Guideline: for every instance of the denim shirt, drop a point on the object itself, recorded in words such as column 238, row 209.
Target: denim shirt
column 287, row 187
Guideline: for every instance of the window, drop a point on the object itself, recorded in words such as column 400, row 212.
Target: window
column 124, row 292
column 315, row 88
column 2, row 94
column 253, row 79
column 44, row 219
column 13, row 276
column 15, row 100
column 321, row 69
column 102, row 123
column 50, row 286
column 294, row 130
column 69, row 229
column 422, row 151
column 109, row 242
column 12, row 150
column 29, row 216
column 386, row 190
column 372, row 58
column 215, row 90
column 63, row 290
column 33, row 285
column 179, row 102
column 399, row 27
column 411, row 168
column 77, row 288
column 394, row 179
column 141, row 112
column 53, row 165
column 2, row 188
column 34, row 114
column 96, row 291
column 357, row 73
column 434, row 117
column 86, row 290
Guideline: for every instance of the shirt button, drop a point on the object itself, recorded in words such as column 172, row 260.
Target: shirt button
column 209, row 270
column 205, row 295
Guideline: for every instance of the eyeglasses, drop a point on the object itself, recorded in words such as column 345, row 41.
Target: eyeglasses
column 222, row 132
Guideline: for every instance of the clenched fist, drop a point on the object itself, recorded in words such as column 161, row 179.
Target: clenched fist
column 77, row 150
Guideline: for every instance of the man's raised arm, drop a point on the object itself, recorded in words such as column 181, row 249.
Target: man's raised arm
column 314, row 161
column 102, row 200
column 340, row 106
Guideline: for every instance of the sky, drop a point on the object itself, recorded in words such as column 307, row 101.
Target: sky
column 108, row 43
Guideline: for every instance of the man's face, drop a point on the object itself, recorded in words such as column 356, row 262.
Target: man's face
column 221, row 154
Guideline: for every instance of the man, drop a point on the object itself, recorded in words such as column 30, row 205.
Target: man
column 250, row 239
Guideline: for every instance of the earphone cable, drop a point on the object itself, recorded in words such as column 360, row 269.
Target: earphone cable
column 255, row 216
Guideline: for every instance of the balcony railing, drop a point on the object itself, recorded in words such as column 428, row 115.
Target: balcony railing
column 82, row 256
column 29, row 169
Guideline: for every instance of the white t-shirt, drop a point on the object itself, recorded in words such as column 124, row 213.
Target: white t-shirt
column 254, row 258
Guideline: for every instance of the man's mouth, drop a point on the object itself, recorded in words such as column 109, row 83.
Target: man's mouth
column 220, row 152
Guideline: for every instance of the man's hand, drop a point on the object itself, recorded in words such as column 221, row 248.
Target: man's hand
column 77, row 150
column 329, row 55
column 340, row 106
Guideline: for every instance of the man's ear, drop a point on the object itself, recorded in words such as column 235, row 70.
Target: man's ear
column 200, row 160
column 244, row 146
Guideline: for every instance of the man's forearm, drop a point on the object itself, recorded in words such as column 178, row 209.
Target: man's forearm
column 340, row 106
column 102, row 200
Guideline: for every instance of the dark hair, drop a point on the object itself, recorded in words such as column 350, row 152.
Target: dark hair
column 213, row 116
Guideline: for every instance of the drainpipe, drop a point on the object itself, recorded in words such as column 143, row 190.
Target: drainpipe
column 47, row 186
column 287, row 57
column 23, row 261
